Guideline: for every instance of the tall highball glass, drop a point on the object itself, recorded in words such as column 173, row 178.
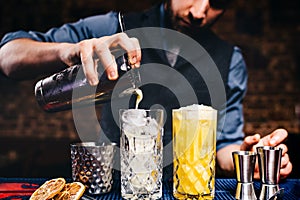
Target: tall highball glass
column 194, row 151
column 141, row 153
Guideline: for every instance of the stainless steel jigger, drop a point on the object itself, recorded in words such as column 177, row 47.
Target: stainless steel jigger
column 269, row 160
column 244, row 163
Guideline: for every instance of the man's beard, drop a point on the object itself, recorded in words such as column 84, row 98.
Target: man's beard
column 174, row 22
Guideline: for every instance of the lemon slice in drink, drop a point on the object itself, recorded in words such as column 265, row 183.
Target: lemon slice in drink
column 71, row 191
column 49, row 189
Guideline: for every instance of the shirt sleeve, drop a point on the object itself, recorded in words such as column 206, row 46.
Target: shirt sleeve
column 231, row 129
column 90, row 27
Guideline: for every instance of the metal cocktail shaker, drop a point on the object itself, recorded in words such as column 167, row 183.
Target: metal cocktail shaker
column 70, row 89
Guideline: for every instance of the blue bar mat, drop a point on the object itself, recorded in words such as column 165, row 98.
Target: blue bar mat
column 225, row 189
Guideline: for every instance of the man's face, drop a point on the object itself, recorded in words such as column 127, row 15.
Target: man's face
column 188, row 15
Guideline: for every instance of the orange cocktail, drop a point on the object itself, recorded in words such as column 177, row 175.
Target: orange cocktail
column 194, row 147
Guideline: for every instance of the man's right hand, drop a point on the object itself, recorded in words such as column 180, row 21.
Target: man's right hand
column 91, row 50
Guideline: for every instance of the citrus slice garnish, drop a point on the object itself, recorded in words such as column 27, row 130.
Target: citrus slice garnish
column 49, row 189
column 71, row 191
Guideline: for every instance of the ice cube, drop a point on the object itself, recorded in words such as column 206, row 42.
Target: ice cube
column 151, row 127
column 136, row 117
column 196, row 112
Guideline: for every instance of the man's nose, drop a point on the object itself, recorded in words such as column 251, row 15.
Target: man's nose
column 199, row 9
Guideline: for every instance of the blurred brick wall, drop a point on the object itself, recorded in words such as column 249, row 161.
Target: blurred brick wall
column 268, row 34
column 269, row 44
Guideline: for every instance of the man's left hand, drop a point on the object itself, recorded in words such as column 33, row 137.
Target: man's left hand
column 276, row 138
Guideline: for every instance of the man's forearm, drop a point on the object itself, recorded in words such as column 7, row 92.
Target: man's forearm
column 25, row 58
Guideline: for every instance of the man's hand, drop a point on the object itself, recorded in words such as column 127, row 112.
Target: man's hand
column 273, row 139
column 90, row 51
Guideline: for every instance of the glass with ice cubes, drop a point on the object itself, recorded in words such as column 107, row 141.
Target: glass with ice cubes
column 141, row 153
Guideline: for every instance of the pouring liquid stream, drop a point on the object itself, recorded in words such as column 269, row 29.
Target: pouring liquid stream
column 133, row 73
column 139, row 97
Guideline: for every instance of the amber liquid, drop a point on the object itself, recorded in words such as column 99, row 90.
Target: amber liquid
column 194, row 146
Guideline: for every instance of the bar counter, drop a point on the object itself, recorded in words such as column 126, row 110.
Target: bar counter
column 22, row 188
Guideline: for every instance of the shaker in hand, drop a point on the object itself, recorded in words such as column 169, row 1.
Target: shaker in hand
column 56, row 92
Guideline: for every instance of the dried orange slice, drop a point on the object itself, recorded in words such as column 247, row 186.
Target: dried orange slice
column 49, row 189
column 71, row 191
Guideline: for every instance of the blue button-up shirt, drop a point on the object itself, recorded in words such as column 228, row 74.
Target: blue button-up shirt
column 103, row 25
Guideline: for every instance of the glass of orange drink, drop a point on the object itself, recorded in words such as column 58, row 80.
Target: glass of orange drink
column 194, row 151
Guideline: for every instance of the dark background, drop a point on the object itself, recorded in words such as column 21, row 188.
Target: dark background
column 36, row 144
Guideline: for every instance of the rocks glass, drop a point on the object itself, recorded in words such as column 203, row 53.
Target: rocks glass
column 141, row 153
column 92, row 165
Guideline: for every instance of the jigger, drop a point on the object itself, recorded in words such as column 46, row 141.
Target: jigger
column 244, row 163
column 269, row 160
